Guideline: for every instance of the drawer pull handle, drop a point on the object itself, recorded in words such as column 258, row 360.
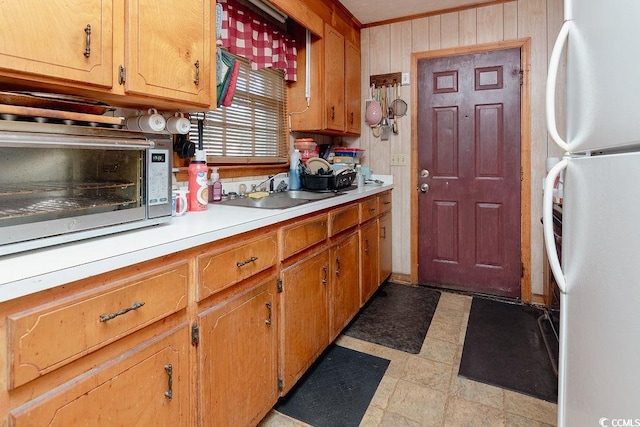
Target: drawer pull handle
column 268, row 321
column 87, row 50
column 372, row 210
column 384, row 232
column 134, row 306
column 338, row 266
column 325, row 269
column 169, row 393
column 366, row 246
column 249, row 261
column 387, row 203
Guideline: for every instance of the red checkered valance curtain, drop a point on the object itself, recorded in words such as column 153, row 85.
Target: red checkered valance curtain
column 245, row 33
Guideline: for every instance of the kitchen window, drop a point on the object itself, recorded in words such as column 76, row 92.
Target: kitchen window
column 253, row 129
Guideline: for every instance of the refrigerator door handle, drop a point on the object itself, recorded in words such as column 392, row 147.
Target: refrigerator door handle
column 550, row 94
column 547, row 223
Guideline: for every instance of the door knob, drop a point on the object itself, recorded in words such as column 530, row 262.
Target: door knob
column 424, row 173
column 424, row 188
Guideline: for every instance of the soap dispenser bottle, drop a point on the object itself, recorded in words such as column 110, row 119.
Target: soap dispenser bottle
column 294, row 170
column 215, row 186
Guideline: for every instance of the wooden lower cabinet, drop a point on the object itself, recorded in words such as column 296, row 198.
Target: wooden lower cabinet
column 369, row 271
column 237, row 355
column 345, row 284
column 147, row 385
column 386, row 246
column 304, row 322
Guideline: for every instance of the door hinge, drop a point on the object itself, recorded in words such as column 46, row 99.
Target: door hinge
column 521, row 73
column 195, row 335
column 280, row 384
column 279, row 285
column 122, row 74
column 521, row 270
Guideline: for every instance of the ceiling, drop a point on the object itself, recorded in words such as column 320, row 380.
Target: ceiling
column 373, row 11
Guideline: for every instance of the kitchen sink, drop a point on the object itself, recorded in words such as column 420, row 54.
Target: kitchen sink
column 282, row 200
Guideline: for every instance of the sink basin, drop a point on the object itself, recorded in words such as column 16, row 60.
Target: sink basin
column 283, row 200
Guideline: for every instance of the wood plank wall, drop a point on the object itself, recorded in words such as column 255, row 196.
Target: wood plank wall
column 387, row 48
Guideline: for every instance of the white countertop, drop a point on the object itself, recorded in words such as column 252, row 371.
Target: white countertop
column 29, row 272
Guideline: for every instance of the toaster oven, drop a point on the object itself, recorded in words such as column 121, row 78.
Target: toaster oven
column 60, row 183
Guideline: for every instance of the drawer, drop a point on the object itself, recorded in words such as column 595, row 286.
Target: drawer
column 303, row 234
column 384, row 202
column 50, row 336
column 368, row 209
column 343, row 218
column 223, row 269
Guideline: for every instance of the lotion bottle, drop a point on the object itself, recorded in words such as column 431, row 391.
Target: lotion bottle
column 198, row 190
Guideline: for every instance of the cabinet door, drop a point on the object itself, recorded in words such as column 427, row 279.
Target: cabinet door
column 238, row 358
column 352, row 88
column 345, row 284
column 305, row 316
column 65, row 39
column 334, row 79
column 386, row 247
column 168, row 50
column 147, row 386
column 369, row 260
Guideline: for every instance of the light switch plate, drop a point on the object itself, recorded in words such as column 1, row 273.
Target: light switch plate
column 406, row 79
column 398, row 160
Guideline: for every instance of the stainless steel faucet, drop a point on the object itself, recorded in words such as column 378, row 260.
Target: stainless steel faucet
column 270, row 180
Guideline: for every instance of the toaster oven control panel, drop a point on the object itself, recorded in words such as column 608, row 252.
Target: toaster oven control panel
column 159, row 179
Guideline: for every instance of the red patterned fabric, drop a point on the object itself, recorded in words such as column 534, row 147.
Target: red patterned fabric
column 246, row 34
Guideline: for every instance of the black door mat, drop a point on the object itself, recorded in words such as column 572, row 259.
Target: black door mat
column 504, row 347
column 397, row 316
column 336, row 390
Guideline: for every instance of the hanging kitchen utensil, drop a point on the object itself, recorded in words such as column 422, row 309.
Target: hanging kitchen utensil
column 398, row 106
column 384, row 123
column 375, row 130
column 394, row 128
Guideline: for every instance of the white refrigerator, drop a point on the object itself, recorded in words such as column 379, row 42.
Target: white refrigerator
column 599, row 272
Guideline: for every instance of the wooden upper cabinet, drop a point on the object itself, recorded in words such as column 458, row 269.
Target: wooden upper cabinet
column 352, row 63
column 334, row 101
column 67, row 40
column 334, row 79
column 168, row 49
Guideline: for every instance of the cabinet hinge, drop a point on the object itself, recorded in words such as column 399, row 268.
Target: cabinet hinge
column 279, row 285
column 195, row 335
column 122, row 74
column 280, row 384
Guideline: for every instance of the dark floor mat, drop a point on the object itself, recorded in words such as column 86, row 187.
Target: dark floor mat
column 397, row 316
column 504, row 347
column 336, row 390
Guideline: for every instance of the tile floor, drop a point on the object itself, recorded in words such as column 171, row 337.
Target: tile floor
column 425, row 389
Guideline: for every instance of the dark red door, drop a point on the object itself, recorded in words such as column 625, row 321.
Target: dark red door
column 468, row 131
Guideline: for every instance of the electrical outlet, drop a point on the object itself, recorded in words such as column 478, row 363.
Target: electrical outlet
column 398, row 159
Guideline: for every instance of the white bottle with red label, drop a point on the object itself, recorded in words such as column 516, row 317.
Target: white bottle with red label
column 198, row 189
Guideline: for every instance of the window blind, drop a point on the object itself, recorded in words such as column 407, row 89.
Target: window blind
column 254, row 128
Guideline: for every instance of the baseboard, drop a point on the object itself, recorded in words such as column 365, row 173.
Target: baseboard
column 404, row 279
